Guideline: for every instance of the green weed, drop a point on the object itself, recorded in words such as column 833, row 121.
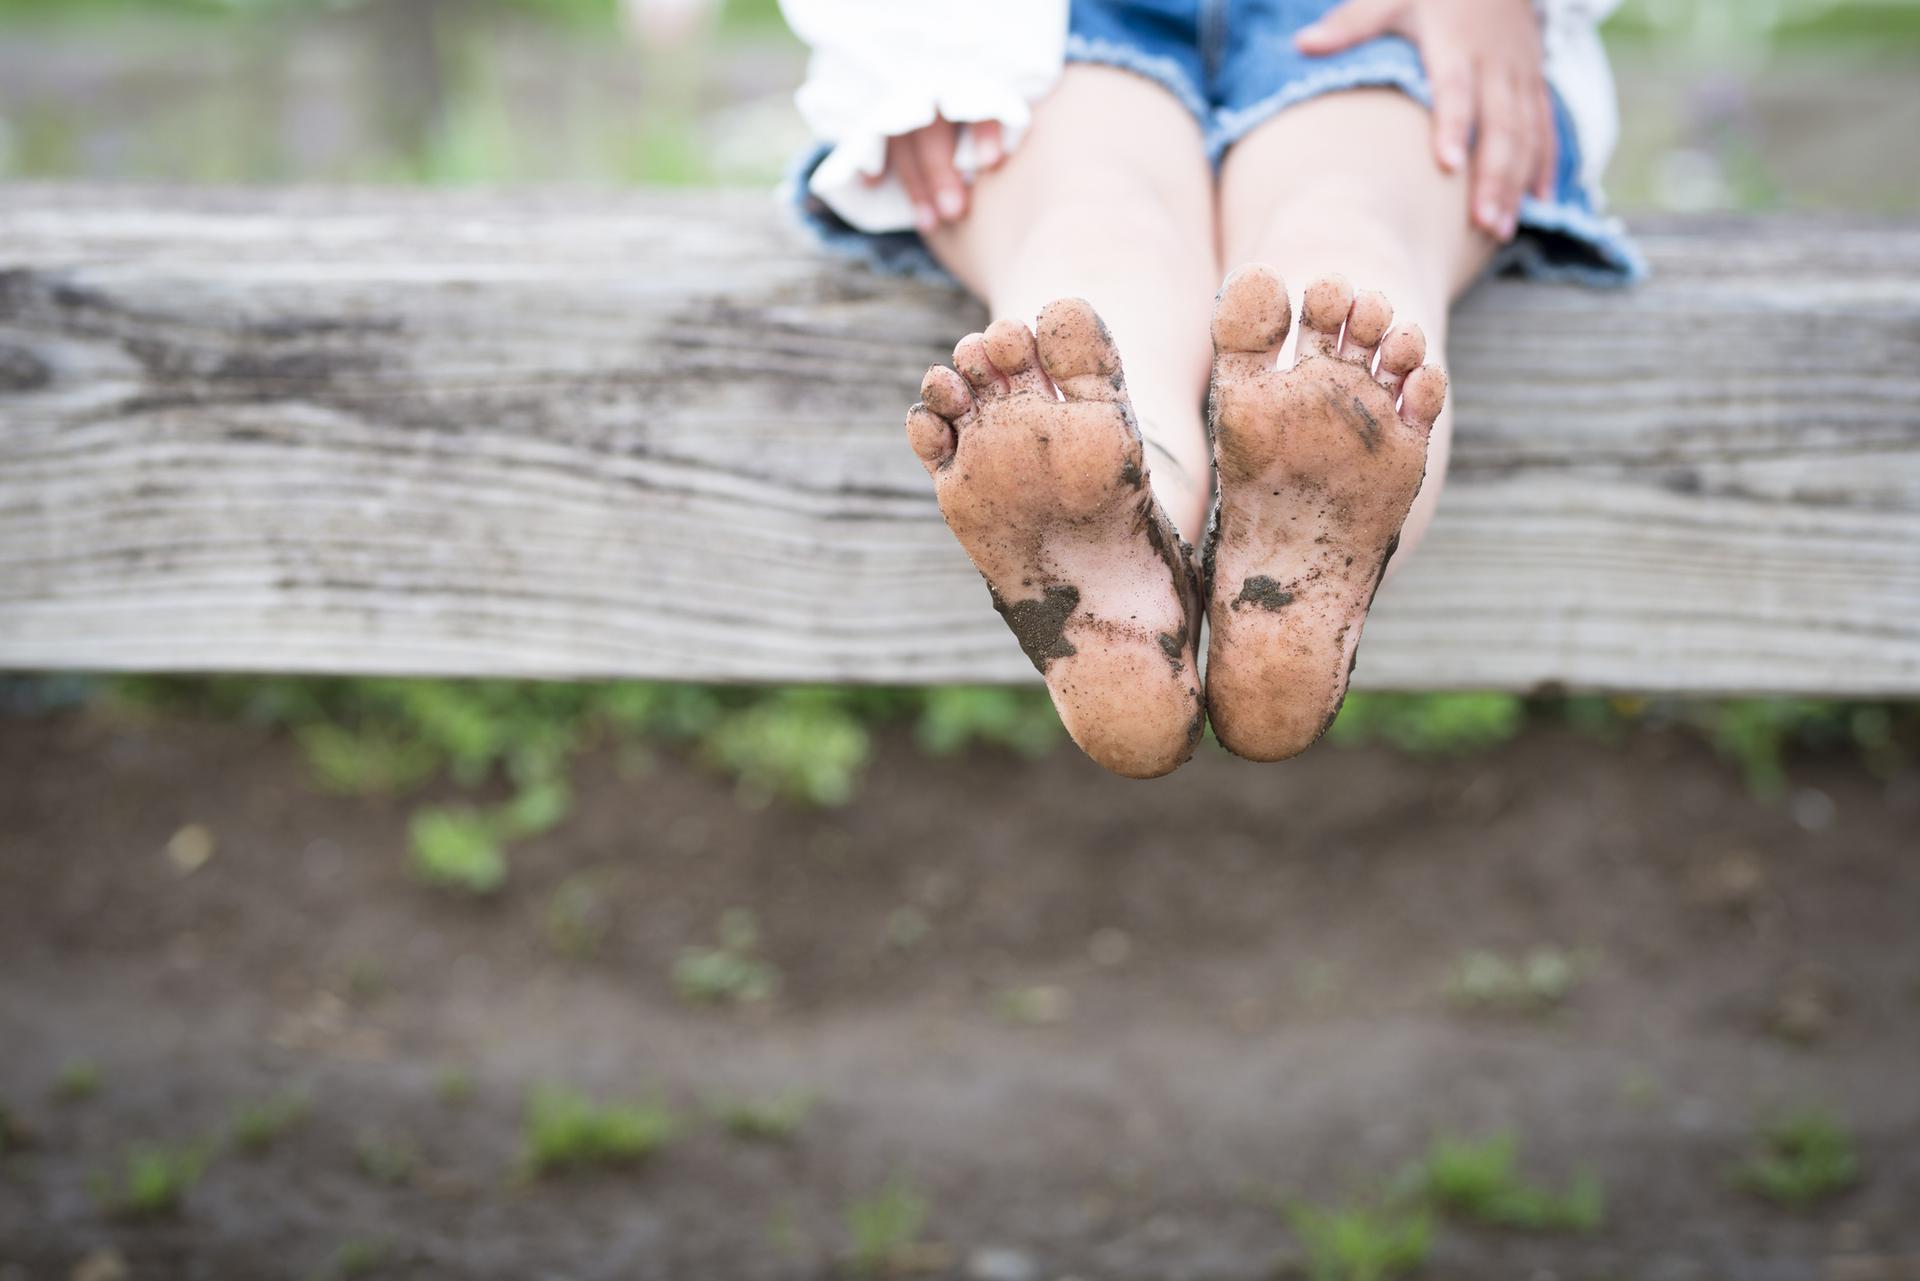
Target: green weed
column 1800, row 1160
column 1479, row 1181
column 801, row 744
column 777, row 1118
column 568, row 1130
column 731, row 973
column 458, row 847
column 454, row 1086
column 151, row 1179
column 1536, row 983
column 356, row 1258
column 78, row 1081
column 952, row 717
column 1359, row 1244
column 392, row 1158
column 1430, row 723
column 257, row 1126
column 884, row 1226
column 576, row 918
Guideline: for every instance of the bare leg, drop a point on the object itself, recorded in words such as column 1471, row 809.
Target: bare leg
column 1046, row 460
column 1347, row 184
column 1110, row 199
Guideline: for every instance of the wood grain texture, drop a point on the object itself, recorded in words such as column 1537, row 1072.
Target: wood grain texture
column 578, row 434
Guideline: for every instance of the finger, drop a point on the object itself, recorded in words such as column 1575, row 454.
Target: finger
column 1348, row 25
column 989, row 147
column 906, row 163
column 934, row 148
column 1497, row 157
column 1452, row 77
column 1547, row 172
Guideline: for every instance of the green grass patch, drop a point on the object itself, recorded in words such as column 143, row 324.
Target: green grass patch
column 258, row 1125
column 776, row 1118
column 731, row 972
column 566, row 1130
column 1360, row 1243
column 78, row 1081
column 1480, row 1181
column 387, row 1157
column 1538, row 982
column 151, row 1179
column 1800, row 1160
column 454, row 1087
column 884, row 1226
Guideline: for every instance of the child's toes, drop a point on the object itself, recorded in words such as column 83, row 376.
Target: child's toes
column 1401, row 352
column 1251, row 316
column 1011, row 348
column 1322, row 312
column 945, row 392
column 1367, row 323
column 1425, row 394
column 971, row 359
column 931, row 436
column 1078, row 353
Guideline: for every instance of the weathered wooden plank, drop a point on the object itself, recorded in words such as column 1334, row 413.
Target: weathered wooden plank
column 587, row 434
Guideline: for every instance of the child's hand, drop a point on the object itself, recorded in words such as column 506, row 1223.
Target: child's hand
column 923, row 160
column 1484, row 60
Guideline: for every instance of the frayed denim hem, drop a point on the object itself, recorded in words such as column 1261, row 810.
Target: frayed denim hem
column 891, row 253
column 1559, row 240
column 1232, row 126
column 1562, row 242
column 1164, row 72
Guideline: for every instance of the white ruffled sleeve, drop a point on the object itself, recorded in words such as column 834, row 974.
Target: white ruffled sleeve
column 1576, row 65
column 881, row 68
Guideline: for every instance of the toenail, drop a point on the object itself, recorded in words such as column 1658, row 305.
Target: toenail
column 952, row 205
column 923, row 218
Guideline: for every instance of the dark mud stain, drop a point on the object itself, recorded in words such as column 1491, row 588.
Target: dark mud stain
column 1357, row 416
column 1198, row 725
column 1177, row 555
column 1173, row 646
column 1040, row 625
column 1130, row 474
column 1263, row 592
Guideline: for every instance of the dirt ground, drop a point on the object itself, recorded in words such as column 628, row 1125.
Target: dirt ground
column 1231, row 988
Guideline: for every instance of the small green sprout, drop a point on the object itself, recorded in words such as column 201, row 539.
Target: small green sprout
column 258, row 1125
column 152, row 1179
column 732, row 973
column 567, row 1130
column 78, row 1081
column 454, row 1086
column 1485, row 981
column 1800, row 1160
column 457, row 847
column 387, row 1158
column 1359, row 1244
column 777, row 1118
column 884, row 1226
column 1478, row 1181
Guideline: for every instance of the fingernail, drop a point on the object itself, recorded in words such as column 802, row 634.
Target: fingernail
column 952, row 204
column 1308, row 35
column 1453, row 155
column 1490, row 215
column 1510, row 226
column 989, row 154
column 924, row 217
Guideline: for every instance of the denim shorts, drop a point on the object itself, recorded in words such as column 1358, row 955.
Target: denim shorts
column 1232, row 63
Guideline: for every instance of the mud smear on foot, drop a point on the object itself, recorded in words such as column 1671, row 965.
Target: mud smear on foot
column 1356, row 415
column 1175, row 552
column 1040, row 625
column 1263, row 592
column 1130, row 474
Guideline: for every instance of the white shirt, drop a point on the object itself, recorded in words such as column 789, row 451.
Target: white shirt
column 881, row 68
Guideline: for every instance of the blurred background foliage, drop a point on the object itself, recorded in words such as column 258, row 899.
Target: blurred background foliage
column 1727, row 105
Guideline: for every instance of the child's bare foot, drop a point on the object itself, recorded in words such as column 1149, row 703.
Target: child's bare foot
column 1318, row 465
column 1039, row 470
